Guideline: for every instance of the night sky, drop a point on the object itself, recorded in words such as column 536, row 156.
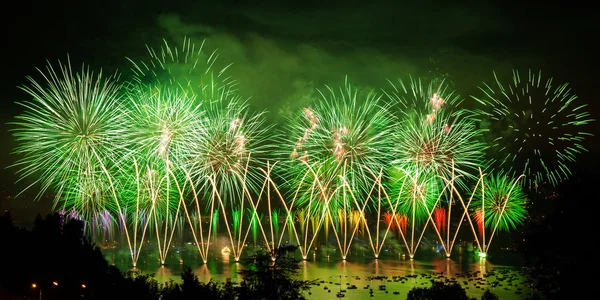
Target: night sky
column 282, row 51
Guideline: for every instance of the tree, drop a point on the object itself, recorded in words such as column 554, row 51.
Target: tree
column 438, row 291
column 273, row 276
column 56, row 259
column 488, row 295
column 192, row 288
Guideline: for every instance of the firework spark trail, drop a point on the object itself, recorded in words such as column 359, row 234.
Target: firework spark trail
column 324, row 211
column 377, row 247
column 348, row 244
column 188, row 68
column 199, row 245
column 268, row 178
column 537, row 126
column 413, row 205
column 465, row 215
column 254, row 211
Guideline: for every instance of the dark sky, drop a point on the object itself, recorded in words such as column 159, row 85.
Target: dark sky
column 281, row 51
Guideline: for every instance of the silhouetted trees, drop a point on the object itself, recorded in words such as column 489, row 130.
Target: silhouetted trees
column 558, row 242
column 54, row 258
column 58, row 260
column 192, row 288
column 273, row 276
column 488, row 295
column 438, row 291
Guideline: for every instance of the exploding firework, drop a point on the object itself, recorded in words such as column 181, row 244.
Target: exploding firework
column 188, row 68
column 160, row 125
column 402, row 222
column 501, row 203
column 440, row 148
column 425, row 97
column 231, row 150
column 414, row 194
column 344, row 138
column 65, row 134
column 535, row 126
column 88, row 197
column 440, row 217
column 433, row 136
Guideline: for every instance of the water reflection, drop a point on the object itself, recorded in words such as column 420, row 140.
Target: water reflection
column 481, row 267
column 203, row 271
column 225, row 256
column 355, row 271
column 446, row 266
column 164, row 272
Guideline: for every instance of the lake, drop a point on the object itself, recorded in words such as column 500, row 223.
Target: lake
column 501, row 271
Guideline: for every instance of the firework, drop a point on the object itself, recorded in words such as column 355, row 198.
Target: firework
column 231, row 149
column 439, row 217
column 160, row 125
column 450, row 144
column 535, row 126
column 501, row 203
column 343, row 137
column 188, row 68
column 423, row 96
column 434, row 136
column 402, row 222
column 414, row 194
column 65, row 133
column 88, row 197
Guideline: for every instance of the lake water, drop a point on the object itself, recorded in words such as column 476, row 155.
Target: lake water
column 500, row 271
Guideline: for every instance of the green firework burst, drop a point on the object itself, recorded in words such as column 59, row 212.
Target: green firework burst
column 345, row 134
column 161, row 124
column 88, row 196
column 65, row 132
column 502, row 202
column 414, row 193
column 231, row 150
column 434, row 136
column 535, row 126
column 187, row 67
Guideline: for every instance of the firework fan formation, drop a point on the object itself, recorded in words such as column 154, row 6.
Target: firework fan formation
column 135, row 156
column 535, row 125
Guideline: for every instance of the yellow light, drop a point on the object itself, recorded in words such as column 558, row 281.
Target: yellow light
column 34, row 285
column 55, row 283
column 83, row 286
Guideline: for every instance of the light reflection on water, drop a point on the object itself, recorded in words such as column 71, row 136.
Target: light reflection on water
column 504, row 267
